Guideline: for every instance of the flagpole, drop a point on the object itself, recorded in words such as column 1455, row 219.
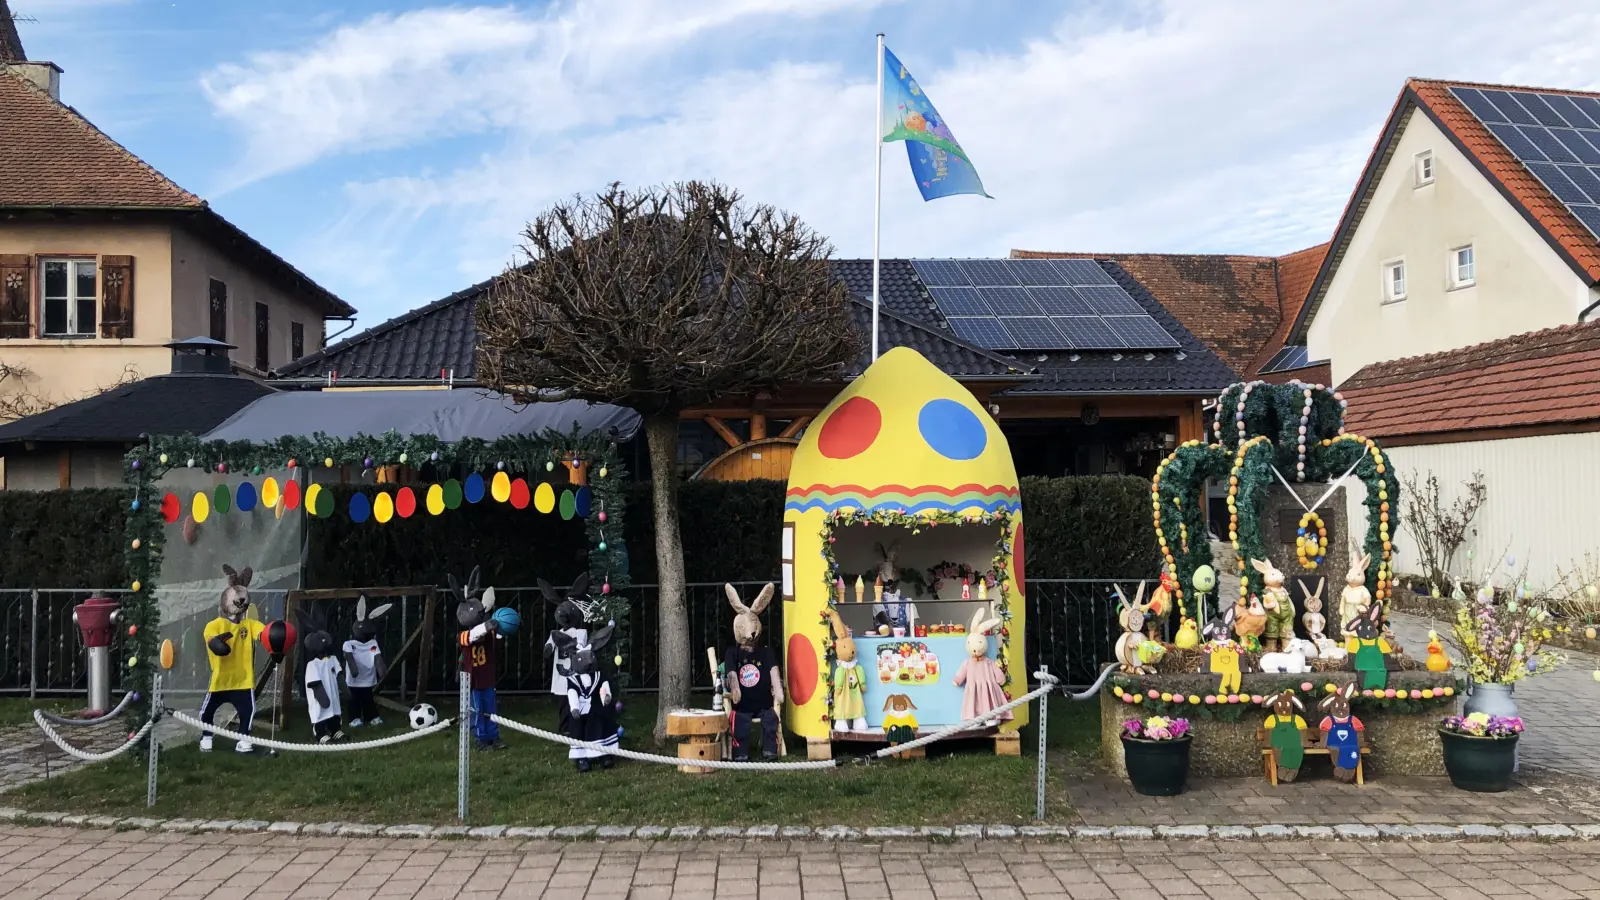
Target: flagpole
column 877, row 195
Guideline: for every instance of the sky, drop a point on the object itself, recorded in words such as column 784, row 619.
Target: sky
column 394, row 149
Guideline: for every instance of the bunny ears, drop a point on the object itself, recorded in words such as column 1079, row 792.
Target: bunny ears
column 1341, row 695
column 980, row 625
column 1138, row 597
column 468, row 591
column 756, row 608
column 361, row 610
column 840, row 632
column 1288, row 696
column 240, row 579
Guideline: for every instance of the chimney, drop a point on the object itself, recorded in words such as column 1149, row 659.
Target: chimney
column 45, row 76
column 201, row 356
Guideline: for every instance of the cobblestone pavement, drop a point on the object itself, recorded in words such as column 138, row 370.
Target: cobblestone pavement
column 27, row 755
column 55, row 862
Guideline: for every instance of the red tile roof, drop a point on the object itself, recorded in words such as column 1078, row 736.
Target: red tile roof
column 1296, row 273
column 1540, row 380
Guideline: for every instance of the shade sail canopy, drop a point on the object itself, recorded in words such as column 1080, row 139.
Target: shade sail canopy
column 448, row 415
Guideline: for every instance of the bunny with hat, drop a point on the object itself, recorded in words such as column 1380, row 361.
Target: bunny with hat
column 231, row 652
column 754, row 685
column 984, row 682
column 849, row 678
column 480, row 654
column 322, row 676
column 364, row 665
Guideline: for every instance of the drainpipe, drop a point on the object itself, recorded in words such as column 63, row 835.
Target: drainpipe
column 1583, row 316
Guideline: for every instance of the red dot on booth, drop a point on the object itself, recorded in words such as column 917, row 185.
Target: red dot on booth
column 803, row 669
column 1016, row 562
column 850, row 429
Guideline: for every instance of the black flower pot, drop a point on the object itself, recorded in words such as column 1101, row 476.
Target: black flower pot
column 1479, row 764
column 1157, row 768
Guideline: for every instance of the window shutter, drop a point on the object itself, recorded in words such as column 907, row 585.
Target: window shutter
column 116, row 296
column 16, row 295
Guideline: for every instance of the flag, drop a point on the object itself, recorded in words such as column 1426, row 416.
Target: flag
column 938, row 163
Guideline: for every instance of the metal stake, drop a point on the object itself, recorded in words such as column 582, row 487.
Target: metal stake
column 463, row 758
column 33, row 649
column 1044, row 730
column 155, row 745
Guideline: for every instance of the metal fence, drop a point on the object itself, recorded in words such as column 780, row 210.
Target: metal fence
column 1071, row 627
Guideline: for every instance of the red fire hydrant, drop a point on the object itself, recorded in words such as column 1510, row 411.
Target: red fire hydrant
column 96, row 618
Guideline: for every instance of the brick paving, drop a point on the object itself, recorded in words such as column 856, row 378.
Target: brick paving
column 88, row 863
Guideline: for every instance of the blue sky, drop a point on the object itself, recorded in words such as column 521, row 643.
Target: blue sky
column 392, row 149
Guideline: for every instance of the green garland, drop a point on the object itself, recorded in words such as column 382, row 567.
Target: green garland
column 897, row 518
column 145, row 532
column 1182, row 688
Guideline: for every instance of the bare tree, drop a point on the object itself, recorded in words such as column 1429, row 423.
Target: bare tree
column 1439, row 528
column 18, row 399
column 661, row 300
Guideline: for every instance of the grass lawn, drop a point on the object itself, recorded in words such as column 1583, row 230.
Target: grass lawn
column 19, row 710
column 533, row 783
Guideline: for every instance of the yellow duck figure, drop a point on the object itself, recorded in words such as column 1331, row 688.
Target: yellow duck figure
column 1437, row 660
column 1188, row 636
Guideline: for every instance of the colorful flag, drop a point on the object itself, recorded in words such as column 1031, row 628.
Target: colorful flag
column 938, row 163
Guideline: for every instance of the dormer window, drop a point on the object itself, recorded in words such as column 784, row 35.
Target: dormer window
column 1424, row 168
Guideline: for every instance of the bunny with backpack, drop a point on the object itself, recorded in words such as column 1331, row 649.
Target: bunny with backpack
column 754, row 685
column 590, row 716
column 480, row 654
column 322, row 676
column 364, row 665
column 984, row 682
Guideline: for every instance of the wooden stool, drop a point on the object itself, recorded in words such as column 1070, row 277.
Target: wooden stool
column 702, row 731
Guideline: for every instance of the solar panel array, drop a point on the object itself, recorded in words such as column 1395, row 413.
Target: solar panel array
column 1557, row 136
column 1291, row 357
column 1039, row 304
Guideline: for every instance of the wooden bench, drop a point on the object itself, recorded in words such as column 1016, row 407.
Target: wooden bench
column 1311, row 745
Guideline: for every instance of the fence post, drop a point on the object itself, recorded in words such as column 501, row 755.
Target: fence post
column 33, row 648
column 1044, row 731
column 155, row 745
column 463, row 757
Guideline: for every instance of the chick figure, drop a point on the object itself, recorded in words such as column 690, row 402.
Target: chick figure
column 1188, row 636
column 1437, row 660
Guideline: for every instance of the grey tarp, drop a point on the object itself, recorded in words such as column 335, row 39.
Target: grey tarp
column 449, row 415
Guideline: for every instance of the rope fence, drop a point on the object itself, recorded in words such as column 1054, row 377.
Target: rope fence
column 116, row 711
column 84, row 755
column 401, row 738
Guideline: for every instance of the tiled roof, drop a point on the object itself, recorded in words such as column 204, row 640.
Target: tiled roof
column 1296, row 273
column 1548, row 215
column 162, row 404
column 1540, row 379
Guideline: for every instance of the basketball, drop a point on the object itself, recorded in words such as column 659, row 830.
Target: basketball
column 507, row 620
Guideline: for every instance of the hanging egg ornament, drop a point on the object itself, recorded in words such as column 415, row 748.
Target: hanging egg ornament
column 617, row 659
column 190, row 462
column 221, row 468
column 605, row 588
column 367, row 463
column 327, row 461
column 135, row 506
column 134, row 465
column 434, row 456
column 402, row 458
column 136, row 543
column 1517, row 649
column 133, row 661
column 136, row 585
column 549, row 466
column 603, row 472
column 163, row 459
column 501, row 465
column 602, row 515
column 133, row 630
column 1589, row 632
column 256, row 470
column 291, row 463
column 602, row 546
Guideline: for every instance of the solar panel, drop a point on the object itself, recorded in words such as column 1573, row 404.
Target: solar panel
column 1556, row 136
column 985, row 331
column 1059, row 300
column 1086, row 333
column 940, row 272
column 1034, row 271
column 959, row 301
column 1141, row 333
column 1292, row 357
column 1009, row 301
column 984, row 272
column 1034, row 333
column 1081, row 271
column 1111, row 301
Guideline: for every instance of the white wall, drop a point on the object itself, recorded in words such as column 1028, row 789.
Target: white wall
column 1543, row 498
column 1522, row 284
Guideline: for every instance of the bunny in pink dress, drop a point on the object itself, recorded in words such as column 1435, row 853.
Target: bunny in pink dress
column 984, row 682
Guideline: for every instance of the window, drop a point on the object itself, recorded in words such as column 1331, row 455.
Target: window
column 1424, row 168
column 219, row 311
column 69, row 297
column 1394, row 281
column 297, row 340
column 1463, row 267
column 261, row 337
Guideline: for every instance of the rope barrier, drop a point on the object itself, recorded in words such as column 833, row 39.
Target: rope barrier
column 86, row 756
column 959, row 727
column 401, row 738
column 669, row 760
column 117, row 711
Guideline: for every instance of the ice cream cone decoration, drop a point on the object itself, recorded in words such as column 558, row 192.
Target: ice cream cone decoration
column 877, row 590
column 861, row 589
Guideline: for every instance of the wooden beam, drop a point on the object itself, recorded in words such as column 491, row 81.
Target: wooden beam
column 758, row 426
column 795, row 427
column 723, row 431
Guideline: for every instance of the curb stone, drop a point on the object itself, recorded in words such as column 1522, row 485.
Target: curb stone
column 1516, row 831
column 1554, row 831
column 613, row 832
column 1274, row 832
column 722, row 832
column 571, row 831
column 1481, row 832
column 1092, row 832
column 487, row 831
column 967, row 832
column 250, row 825
column 1314, row 832
column 999, row 831
column 322, row 828
column 356, row 829
column 1587, row 832
column 285, row 827
column 1230, row 832
column 537, row 833
column 684, row 832
column 103, row 822
column 650, row 832
column 1183, row 831
column 794, row 832
column 450, row 831
column 1133, row 833
column 1355, row 832
column 836, row 833
column 764, row 832
column 1397, row 831
column 417, row 831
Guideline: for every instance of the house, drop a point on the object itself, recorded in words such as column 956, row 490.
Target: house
column 1088, row 400
column 104, row 261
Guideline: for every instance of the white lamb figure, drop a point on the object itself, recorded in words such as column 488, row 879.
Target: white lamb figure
column 1288, row 662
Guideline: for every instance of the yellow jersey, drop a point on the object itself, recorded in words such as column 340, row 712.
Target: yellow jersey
column 237, row 670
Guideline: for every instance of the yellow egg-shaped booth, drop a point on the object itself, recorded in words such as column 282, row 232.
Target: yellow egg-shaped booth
column 906, row 464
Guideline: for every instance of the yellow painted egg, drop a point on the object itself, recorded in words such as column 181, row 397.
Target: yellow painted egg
column 500, row 487
column 200, row 506
column 269, row 491
column 383, row 507
column 544, row 497
column 435, row 499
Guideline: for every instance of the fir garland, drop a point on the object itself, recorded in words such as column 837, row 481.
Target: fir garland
column 1414, row 692
column 145, row 532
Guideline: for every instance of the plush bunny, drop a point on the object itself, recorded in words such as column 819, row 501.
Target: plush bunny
column 230, row 648
column 849, row 706
column 1131, row 618
column 590, row 714
column 1222, row 654
column 1249, row 621
column 1355, row 598
column 364, row 665
column 480, row 654
column 1368, row 648
column 892, row 609
column 1285, row 729
column 575, row 613
column 322, row 675
column 985, row 683
column 754, row 684
column 899, row 723
column 1275, row 600
column 1341, row 733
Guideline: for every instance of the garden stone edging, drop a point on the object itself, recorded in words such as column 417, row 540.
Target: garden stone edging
column 1352, row 832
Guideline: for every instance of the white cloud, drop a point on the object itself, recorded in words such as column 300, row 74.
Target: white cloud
column 1163, row 125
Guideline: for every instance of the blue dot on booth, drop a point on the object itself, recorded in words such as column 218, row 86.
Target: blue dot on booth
column 952, row 430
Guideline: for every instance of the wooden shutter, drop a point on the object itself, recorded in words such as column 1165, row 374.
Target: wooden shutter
column 16, row 295
column 116, row 296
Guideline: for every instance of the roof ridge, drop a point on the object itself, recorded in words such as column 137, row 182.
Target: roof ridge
column 1075, row 254
column 1534, row 89
column 1543, row 341
column 388, row 325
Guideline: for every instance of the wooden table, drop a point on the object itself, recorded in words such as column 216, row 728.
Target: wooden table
column 702, row 731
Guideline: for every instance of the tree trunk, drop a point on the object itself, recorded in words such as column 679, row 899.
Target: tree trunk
column 672, row 624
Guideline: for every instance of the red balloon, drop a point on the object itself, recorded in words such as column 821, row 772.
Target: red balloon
column 405, row 502
column 291, row 494
column 519, row 494
column 278, row 637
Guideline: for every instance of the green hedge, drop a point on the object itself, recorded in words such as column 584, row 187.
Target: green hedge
column 1082, row 527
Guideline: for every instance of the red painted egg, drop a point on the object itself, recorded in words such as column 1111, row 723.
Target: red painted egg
column 804, row 666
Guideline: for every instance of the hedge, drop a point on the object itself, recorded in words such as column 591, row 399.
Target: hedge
column 1077, row 527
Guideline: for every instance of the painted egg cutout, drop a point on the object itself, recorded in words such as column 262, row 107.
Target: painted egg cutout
column 500, row 487
column 544, row 497
column 246, row 497
column 405, row 502
column 222, row 499
column 452, row 494
column 360, row 507
column 584, row 499
column 472, row 489
column 291, row 495
column 569, row 505
column 435, row 499
column 850, row 429
column 171, row 508
column 200, row 507
column 269, row 492
column 803, row 669
column 519, row 494
column 383, row 507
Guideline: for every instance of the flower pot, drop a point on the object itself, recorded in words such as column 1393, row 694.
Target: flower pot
column 1494, row 699
column 1157, row 768
column 1479, row 764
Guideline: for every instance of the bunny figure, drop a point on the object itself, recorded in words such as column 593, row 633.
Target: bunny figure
column 1355, row 598
column 322, row 676
column 1285, row 733
column 849, row 678
column 1222, row 653
column 892, row 609
column 364, row 665
column 1316, row 624
column 591, row 717
column 1368, row 648
column 574, row 614
column 1341, row 733
column 480, row 654
column 1275, row 600
column 1131, row 618
column 985, row 683
column 899, row 720
column 754, row 684
column 230, row 648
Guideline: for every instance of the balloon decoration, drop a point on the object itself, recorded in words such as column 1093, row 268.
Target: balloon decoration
column 278, row 638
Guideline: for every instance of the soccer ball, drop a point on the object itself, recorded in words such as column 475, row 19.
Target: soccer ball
column 422, row 715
